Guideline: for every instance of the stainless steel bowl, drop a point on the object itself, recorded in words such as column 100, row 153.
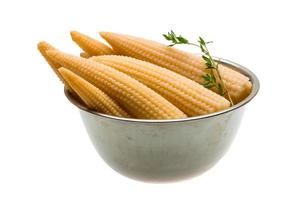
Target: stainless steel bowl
column 165, row 150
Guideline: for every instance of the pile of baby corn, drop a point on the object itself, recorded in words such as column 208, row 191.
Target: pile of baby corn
column 139, row 78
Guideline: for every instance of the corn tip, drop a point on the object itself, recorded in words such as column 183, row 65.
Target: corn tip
column 44, row 46
column 41, row 45
column 74, row 33
column 104, row 34
column 65, row 73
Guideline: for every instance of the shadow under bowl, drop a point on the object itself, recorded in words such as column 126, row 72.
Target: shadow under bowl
column 165, row 150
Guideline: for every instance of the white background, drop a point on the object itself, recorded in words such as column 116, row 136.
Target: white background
column 45, row 152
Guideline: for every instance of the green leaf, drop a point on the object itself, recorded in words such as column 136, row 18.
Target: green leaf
column 166, row 37
column 202, row 48
column 201, row 41
column 182, row 39
column 206, row 77
column 209, row 80
column 209, row 66
column 208, row 86
column 205, row 58
column 213, row 77
column 220, row 89
column 174, row 38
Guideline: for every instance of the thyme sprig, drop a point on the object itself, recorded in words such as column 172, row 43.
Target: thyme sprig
column 212, row 79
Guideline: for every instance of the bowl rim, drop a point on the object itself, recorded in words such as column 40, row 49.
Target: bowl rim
column 255, row 88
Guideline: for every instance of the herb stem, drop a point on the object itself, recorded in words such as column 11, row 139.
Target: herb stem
column 211, row 80
column 194, row 44
column 216, row 69
column 225, row 88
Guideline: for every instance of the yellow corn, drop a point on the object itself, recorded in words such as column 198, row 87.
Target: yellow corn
column 186, row 64
column 189, row 96
column 138, row 100
column 92, row 96
column 43, row 47
column 84, row 55
column 89, row 45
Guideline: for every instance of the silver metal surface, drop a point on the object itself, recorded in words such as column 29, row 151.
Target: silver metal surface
column 165, row 150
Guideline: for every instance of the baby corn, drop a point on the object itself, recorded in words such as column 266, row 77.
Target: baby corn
column 89, row 45
column 92, row 96
column 138, row 100
column 186, row 64
column 43, row 47
column 189, row 96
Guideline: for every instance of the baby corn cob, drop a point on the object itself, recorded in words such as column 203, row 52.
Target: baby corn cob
column 138, row 100
column 43, row 47
column 189, row 96
column 89, row 45
column 186, row 64
column 92, row 96
column 84, row 55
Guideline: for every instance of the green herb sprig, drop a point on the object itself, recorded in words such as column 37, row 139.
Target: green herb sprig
column 211, row 80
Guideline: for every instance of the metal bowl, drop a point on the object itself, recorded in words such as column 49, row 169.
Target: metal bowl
column 165, row 150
